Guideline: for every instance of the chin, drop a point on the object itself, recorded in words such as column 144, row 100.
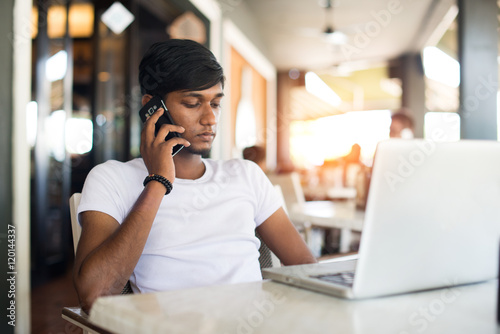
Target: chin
column 198, row 151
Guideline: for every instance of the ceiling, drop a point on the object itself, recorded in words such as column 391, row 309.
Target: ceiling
column 377, row 30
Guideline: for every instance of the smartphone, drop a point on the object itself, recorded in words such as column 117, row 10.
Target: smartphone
column 149, row 109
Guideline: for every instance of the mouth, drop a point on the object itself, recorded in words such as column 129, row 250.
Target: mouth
column 206, row 136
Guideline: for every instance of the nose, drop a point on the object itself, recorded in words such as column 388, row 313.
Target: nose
column 210, row 116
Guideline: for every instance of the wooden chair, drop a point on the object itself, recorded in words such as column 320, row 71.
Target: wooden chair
column 293, row 198
column 291, row 188
column 78, row 317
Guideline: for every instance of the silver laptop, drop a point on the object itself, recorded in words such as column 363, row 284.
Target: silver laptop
column 432, row 220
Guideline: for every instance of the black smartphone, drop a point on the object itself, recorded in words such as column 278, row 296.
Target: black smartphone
column 149, row 109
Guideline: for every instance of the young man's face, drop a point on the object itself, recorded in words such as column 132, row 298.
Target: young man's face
column 198, row 112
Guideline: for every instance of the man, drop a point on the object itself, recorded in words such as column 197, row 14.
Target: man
column 193, row 221
column 256, row 154
column 401, row 125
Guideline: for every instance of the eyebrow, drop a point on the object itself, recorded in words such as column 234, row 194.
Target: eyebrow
column 194, row 94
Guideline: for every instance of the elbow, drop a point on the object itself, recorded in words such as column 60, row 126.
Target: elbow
column 87, row 292
column 89, row 289
column 86, row 295
column 86, row 302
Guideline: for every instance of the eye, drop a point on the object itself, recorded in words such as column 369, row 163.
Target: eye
column 191, row 105
column 215, row 103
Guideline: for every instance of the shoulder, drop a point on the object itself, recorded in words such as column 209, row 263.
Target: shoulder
column 113, row 169
column 115, row 178
column 115, row 165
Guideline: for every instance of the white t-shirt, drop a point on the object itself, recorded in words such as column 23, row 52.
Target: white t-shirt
column 204, row 231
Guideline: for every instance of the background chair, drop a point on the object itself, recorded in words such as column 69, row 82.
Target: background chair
column 267, row 258
column 293, row 199
column 291, row 189
column 74, row 201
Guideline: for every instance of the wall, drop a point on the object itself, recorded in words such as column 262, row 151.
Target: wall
column 238, row 12
column 258, row 95
column 15, row 66
column 6, row 53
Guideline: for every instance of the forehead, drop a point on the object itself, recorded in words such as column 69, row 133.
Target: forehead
column 209, row 93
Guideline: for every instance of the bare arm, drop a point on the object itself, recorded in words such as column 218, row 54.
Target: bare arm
column 283, row 239
column 107, row 251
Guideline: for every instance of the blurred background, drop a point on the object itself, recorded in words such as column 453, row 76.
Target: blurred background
column 313, row 83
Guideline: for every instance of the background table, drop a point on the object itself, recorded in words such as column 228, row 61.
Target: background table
column 269, row 307
column 328, row 215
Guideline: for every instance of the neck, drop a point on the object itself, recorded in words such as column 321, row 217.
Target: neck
column 188, row 166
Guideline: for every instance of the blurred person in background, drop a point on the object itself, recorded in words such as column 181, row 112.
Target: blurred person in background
column 402, row 125
column 256, row 154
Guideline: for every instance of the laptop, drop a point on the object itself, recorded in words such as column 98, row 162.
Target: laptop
column 432, row 220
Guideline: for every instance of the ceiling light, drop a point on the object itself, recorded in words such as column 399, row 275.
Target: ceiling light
column 81, row 21
column 335, row 37
column 319, row 88
column 117, row 17
column 329, row 33
column 441, row 67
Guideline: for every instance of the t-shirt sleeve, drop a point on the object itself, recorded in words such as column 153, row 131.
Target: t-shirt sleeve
column 101, row 192
column 268, row 201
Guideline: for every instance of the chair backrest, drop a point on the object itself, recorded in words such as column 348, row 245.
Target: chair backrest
column 74, row 201
column 291, row 188
column 267, row 258
column 278, row 190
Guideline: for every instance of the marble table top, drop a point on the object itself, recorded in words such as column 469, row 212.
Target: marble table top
column 270, row 307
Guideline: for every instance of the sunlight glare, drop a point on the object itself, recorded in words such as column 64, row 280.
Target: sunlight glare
column 329, row 138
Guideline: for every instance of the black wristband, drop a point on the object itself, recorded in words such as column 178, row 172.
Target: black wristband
column 161, row 179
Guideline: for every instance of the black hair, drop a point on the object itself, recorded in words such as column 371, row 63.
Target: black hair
column 178, row 64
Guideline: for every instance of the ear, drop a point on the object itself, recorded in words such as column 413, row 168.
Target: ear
column 146, row 98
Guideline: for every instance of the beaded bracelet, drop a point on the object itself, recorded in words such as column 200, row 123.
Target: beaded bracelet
column 161, row 179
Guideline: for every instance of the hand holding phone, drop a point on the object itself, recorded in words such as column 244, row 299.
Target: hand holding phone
column 149, row 109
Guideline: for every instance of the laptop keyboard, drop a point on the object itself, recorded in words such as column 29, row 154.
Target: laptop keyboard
column 345, row 278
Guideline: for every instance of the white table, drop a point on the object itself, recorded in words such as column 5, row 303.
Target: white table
column 328, row 214
column 269, row 307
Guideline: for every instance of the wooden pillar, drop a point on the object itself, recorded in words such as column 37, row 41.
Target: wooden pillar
column 478, row 51
column 413, row 85
column 285, row 84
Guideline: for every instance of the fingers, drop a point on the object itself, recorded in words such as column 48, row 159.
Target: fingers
column 148, row 131
column 165, row 129
column 148, row 138
column 178, row 141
